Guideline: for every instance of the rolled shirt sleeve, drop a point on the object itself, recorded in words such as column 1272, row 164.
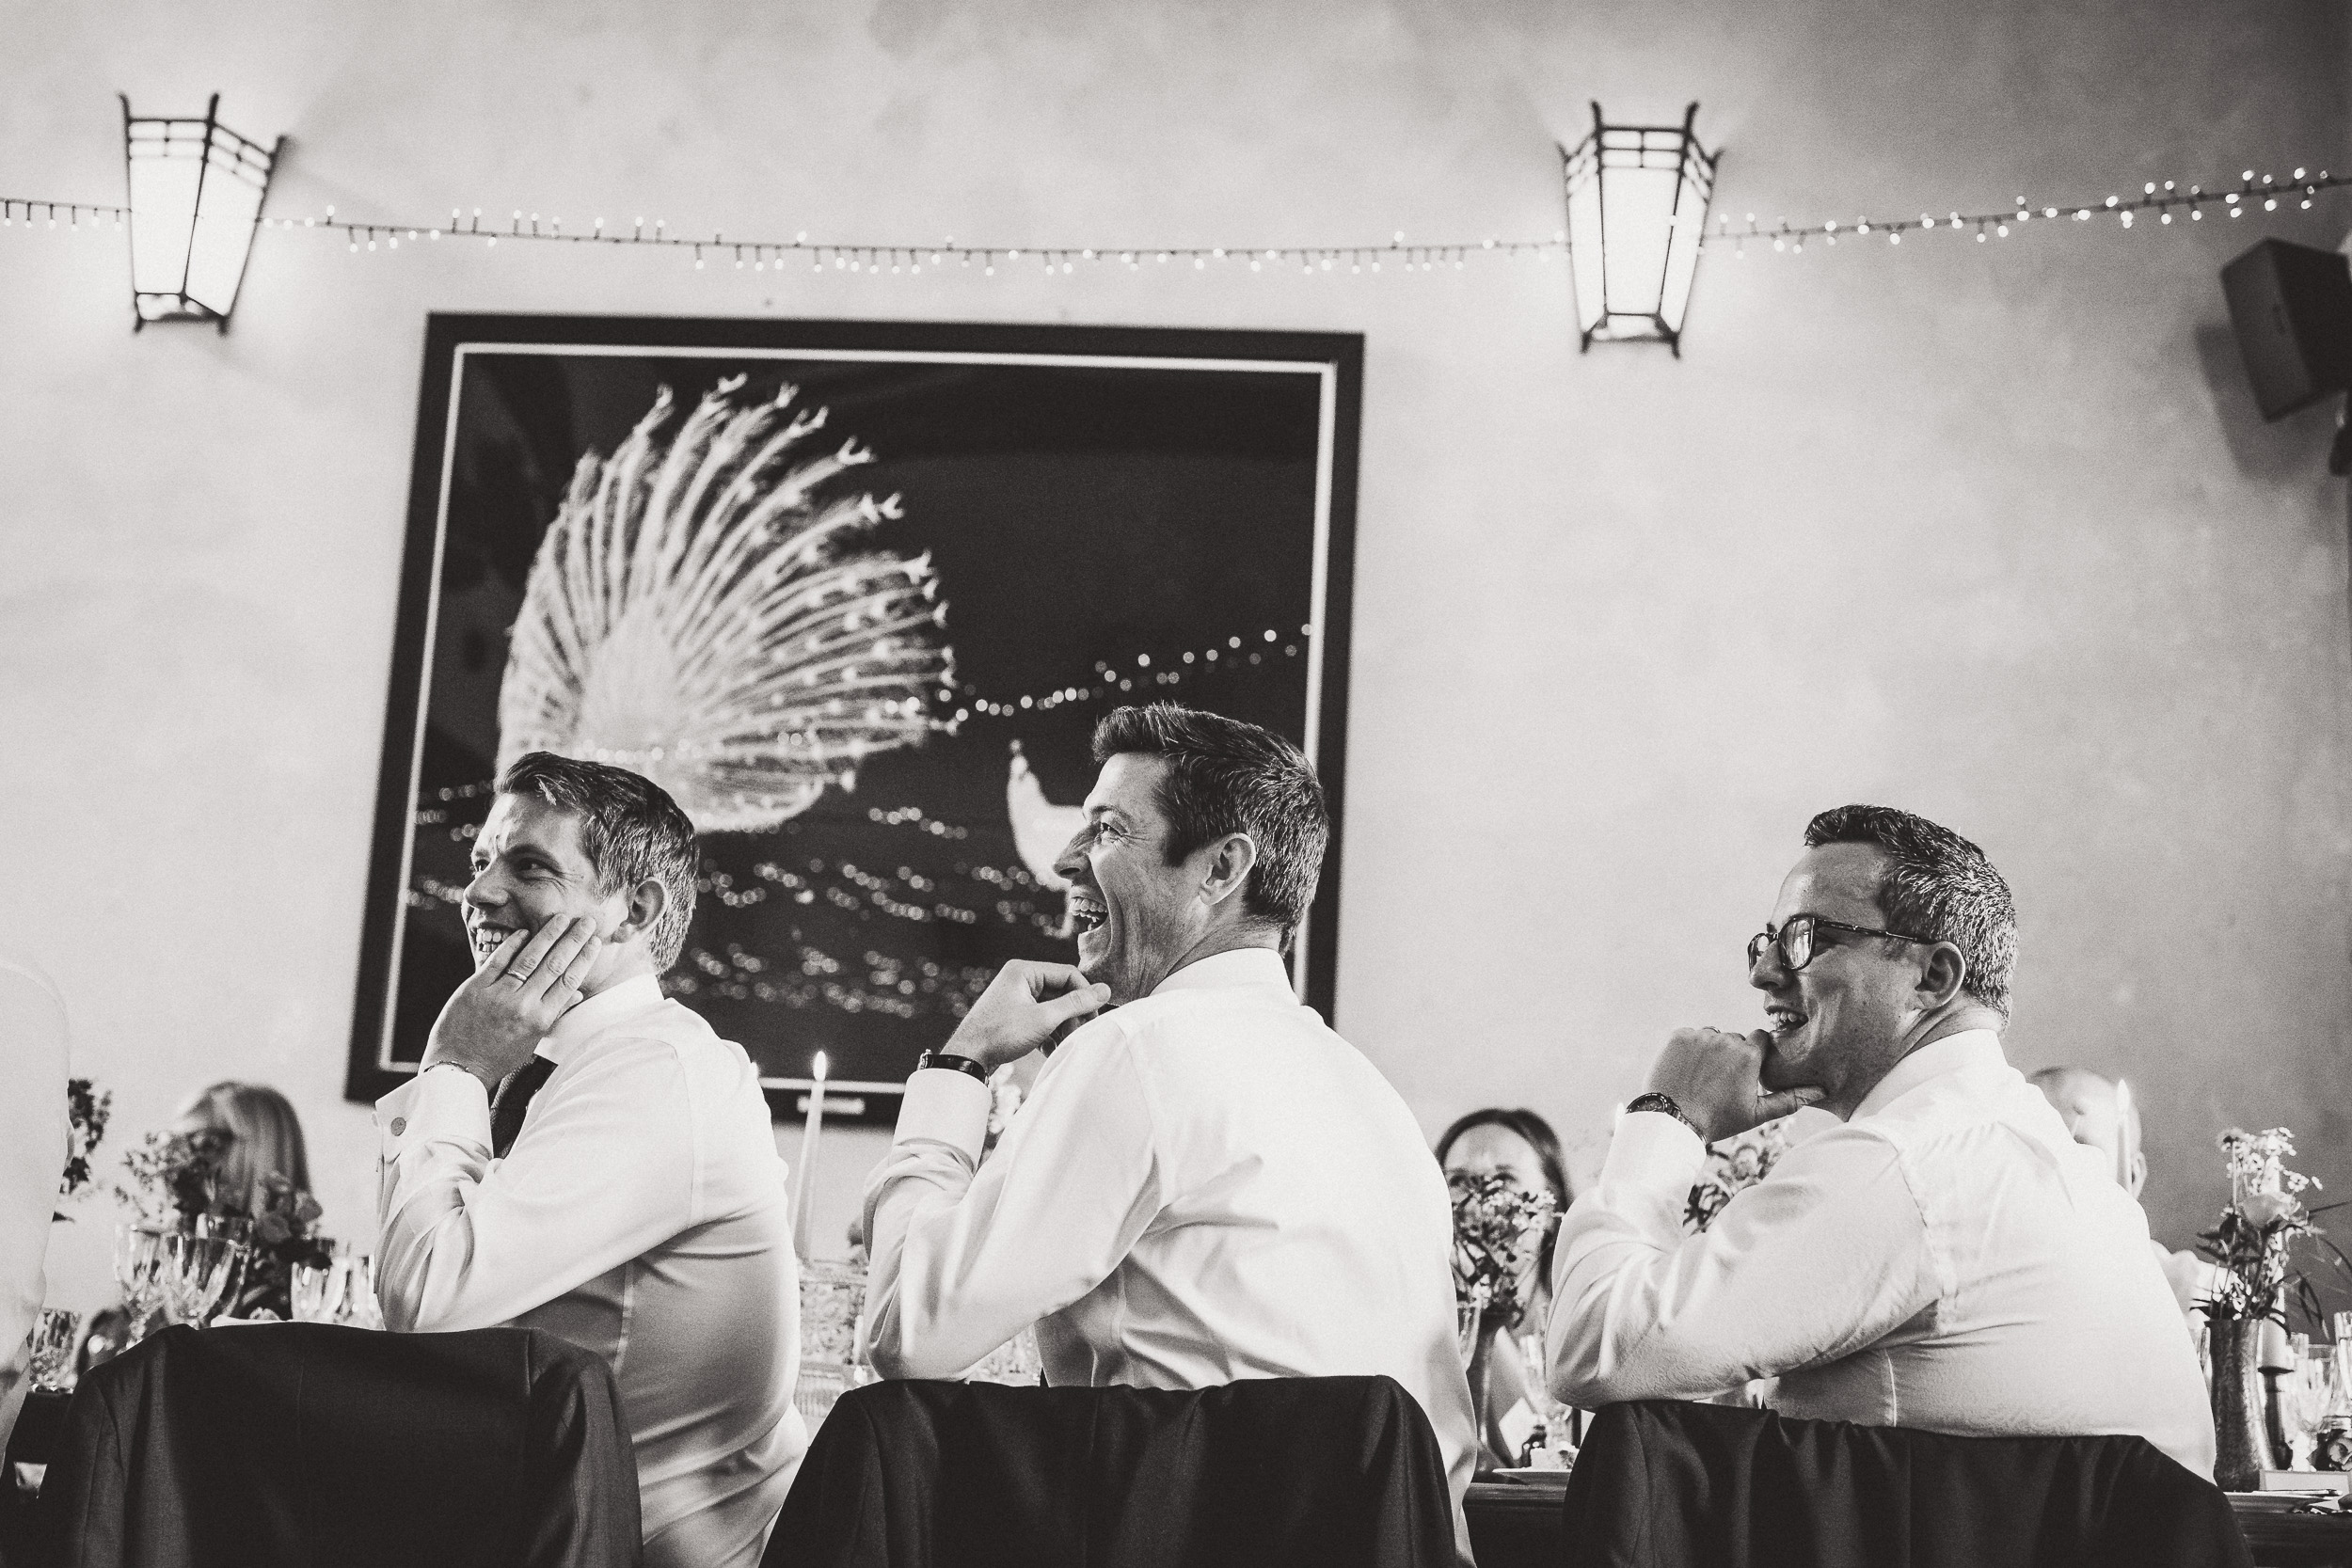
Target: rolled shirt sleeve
column 603, row 1171
column 963, row 1255
column 1825, row 1255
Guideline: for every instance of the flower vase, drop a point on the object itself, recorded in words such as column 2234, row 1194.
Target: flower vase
column 2241, row 1446
column 1481, row 1374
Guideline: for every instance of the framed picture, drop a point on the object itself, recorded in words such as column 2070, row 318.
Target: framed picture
column 856, row 594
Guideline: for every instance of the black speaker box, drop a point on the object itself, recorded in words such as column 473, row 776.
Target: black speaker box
column 2292, row 306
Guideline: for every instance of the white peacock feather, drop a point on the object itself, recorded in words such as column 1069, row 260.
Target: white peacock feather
column 702, row 612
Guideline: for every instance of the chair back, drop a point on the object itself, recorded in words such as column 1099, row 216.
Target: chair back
column 1338, row 1472
column 1662, row 1481
column 312, row 1445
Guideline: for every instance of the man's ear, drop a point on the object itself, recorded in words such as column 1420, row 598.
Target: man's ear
column 1943, row 977
column 1227, row 869
column 648, row 901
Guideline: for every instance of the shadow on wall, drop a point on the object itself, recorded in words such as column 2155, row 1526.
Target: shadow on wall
column 2290, row 451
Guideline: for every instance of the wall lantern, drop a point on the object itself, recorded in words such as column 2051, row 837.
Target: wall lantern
column 1637, row 208
column 197, row 189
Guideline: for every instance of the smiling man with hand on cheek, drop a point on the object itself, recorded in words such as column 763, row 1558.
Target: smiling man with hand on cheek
column 580, row 1154
column 1206, row 1183
column 1948, row 1258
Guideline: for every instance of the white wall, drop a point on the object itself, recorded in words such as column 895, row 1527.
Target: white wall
column 1988, row 531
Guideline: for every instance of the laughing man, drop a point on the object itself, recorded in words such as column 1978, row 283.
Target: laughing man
column 1206, row 1183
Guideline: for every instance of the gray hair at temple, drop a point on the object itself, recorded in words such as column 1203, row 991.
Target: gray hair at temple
column 1937, row 886
column 1225, row 776
column 630, row 828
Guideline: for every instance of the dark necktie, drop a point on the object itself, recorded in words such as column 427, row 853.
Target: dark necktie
column 515, row 1092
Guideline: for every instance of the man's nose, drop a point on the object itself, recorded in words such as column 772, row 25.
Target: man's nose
column 1070, row 864
column 484, row 892
column 1764, row 970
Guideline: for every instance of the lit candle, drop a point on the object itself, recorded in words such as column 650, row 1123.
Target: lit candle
column 807, row 1173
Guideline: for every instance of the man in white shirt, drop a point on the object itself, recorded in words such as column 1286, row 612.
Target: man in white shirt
column 581, row 1155
column 1948, row 1258
column 1206, row 1183
column 2103, row 1114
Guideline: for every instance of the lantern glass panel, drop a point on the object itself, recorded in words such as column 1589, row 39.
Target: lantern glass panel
column 166, row 169
column 1638, row 192
column 224, row 224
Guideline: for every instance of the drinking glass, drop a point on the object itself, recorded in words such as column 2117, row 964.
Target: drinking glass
column 55, row 1338
column 139, row 1268
column 833, row 1297
column 339, row 1290
column 2305, row 1394
column 200, row 1274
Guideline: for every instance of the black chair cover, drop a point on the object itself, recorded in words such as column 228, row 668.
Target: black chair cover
column 1284, row 1472
column 307, row 1446
column 1659, row 1482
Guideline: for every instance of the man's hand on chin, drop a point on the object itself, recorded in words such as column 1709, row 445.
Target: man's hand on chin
column 1714, row 1075
column 1026, row 1005
column 492, row 1023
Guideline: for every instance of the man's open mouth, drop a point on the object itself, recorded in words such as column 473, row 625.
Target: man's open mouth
column 486, row 939
column 1086, row 912
column 1785, row 1021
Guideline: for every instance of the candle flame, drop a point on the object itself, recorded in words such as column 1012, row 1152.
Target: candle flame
column 818, row 1070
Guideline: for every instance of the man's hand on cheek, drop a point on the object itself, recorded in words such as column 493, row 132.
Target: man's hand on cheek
column 1714, row 1076
column 1024, row 1007
column 491, row 1023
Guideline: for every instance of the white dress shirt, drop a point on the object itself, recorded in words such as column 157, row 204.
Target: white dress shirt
column 32, row 1157
column 1205, row 1185
column 1949, row 1258
column 640, row 1214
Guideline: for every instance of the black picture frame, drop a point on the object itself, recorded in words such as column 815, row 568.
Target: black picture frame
column 1072, row 481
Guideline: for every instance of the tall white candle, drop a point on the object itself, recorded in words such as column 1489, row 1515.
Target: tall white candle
column 806, row 1174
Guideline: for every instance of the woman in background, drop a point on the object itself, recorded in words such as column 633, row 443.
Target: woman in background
column 263, row 1138
column 1521, row 1144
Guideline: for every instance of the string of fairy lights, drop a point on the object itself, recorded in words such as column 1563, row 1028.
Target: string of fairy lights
column 2168, row 200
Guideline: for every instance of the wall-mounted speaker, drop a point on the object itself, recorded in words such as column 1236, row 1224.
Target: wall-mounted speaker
column 2292, row 306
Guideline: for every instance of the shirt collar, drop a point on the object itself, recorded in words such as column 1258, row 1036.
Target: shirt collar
column 1235, row 966
column 1967, row 1049
column 592, row 1015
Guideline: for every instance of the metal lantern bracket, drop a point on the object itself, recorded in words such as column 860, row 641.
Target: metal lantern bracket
column 197, row 189
column 1637, row 198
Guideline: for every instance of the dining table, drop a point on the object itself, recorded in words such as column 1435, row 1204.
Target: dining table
column 1518, row 1522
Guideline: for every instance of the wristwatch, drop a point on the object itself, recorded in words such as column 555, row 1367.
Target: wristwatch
column 953, row 1064
column 1663, row 1103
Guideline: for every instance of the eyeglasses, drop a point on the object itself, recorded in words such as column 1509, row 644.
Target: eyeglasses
column 1794, row 942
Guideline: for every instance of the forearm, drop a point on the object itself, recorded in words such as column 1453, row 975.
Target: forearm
column 604, row 1175
column 1823, row 1256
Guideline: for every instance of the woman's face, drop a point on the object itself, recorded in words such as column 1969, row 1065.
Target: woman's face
column 1488, row 1148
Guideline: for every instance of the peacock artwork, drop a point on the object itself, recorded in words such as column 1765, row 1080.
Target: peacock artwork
column 856, row 595
column 707, row 611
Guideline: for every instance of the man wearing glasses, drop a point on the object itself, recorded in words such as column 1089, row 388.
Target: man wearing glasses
column 1948, row 1258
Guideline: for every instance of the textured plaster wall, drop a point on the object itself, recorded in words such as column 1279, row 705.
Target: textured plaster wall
column 1991, row 532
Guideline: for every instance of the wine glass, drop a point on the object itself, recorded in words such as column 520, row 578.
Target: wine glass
column 54, row 1336
column 200, row 1274
column 139, row 1270
column 339, row 1290
column 2305, row 1394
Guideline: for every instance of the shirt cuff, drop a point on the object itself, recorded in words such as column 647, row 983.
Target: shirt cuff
column 1655, row 1150
column 451, row 1105
column 945, row 1108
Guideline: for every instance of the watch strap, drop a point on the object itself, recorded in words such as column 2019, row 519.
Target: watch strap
column 1664, row 1103
column 953, row 1064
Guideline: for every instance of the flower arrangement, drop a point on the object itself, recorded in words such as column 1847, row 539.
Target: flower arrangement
column 175, row 1186
column 1499, row 1232
column 2249, row 1244
column 1732, row 1166
column 86, row 1110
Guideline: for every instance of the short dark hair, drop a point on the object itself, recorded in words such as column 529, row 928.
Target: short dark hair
column 630, row 829
column 1938, row 886
column 1225, row 776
